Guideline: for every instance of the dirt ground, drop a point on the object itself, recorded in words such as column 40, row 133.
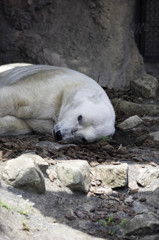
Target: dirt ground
column 123, row 147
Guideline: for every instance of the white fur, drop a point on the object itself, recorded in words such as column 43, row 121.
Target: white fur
column 42, row 98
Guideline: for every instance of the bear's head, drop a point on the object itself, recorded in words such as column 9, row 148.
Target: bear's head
column 85, row 119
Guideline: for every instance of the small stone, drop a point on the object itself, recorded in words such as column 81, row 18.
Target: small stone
column 94, row 164
column 91, row 194
column 70, row 216
column 129, row 200
column 120, row 207
column 92, row 189
column 133, row 187
column 99, row 191
column 130, row 122
column 114, row 195
column 116, row 163
column 75, row 174
column 135, row 196
column 142, row 199
column 93, row 183
column 121, row 196
column 89, row 207
column 104, row 190
column 153, row 164
column 80, row 214
column 52, row 174
column 108, row 191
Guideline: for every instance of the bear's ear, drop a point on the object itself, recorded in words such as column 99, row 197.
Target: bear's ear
column 95, row 96
column 87, row 94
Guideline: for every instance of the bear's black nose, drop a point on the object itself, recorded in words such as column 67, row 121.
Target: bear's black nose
column 57, row 135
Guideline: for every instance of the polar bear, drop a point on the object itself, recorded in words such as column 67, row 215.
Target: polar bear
column 48, row 99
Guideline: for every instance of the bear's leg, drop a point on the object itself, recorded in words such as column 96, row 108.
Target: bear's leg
column 10, row 125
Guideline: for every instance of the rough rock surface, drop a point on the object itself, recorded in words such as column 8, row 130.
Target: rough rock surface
column 113, row 176
column 23, row 172
column 74, row 174
column 146, row 223
column 94, row 37
column 131, row 108
column 145, row 86
column 130, row 122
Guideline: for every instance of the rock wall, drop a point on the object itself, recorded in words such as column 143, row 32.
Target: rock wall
column 92, row 36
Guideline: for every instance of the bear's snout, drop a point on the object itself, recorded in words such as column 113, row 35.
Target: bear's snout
column 57, row 135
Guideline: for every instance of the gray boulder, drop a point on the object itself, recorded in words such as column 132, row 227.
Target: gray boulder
column 23, row 172
column 146, row 86
column 146, row 223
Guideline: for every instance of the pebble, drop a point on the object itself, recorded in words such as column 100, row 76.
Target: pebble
column 133, row 187
column 129, row 200
column 130, row 122
column 70, row 216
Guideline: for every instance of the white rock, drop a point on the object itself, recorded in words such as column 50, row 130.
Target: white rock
column 147, row 175
column 130, row 122
column 103, row 190
column 113, row 176
column 155, row 135
column 23, row 172
column 75, row 174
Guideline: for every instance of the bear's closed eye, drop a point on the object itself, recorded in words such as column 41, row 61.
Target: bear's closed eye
column 79, row 118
